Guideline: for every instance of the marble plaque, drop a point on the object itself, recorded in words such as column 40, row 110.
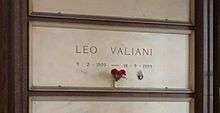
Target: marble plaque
column 165, row 10
column 106, row 105
column 71, row 56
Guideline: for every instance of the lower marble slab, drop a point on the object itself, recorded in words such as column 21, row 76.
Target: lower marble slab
column 109, row 105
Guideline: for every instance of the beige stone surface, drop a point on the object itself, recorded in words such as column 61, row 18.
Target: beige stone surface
column 54, row 61
column 109, row 106
column 174, row 10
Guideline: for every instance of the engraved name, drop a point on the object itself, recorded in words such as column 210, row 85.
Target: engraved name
column 131, row 51
column 86, row 49
column 120, row 51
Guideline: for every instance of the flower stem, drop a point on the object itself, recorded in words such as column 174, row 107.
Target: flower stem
column 113, row 83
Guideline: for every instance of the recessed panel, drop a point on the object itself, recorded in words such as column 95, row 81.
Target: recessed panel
column 71, row 56
column 162, row 10
column 106, row 105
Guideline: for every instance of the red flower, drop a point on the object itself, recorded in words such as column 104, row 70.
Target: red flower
column 114, row 72
column 118, row 74
column 122, row 73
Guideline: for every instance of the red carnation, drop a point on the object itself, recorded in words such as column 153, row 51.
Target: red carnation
column 114, row 72
column 122, row 73
column 118, row 74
